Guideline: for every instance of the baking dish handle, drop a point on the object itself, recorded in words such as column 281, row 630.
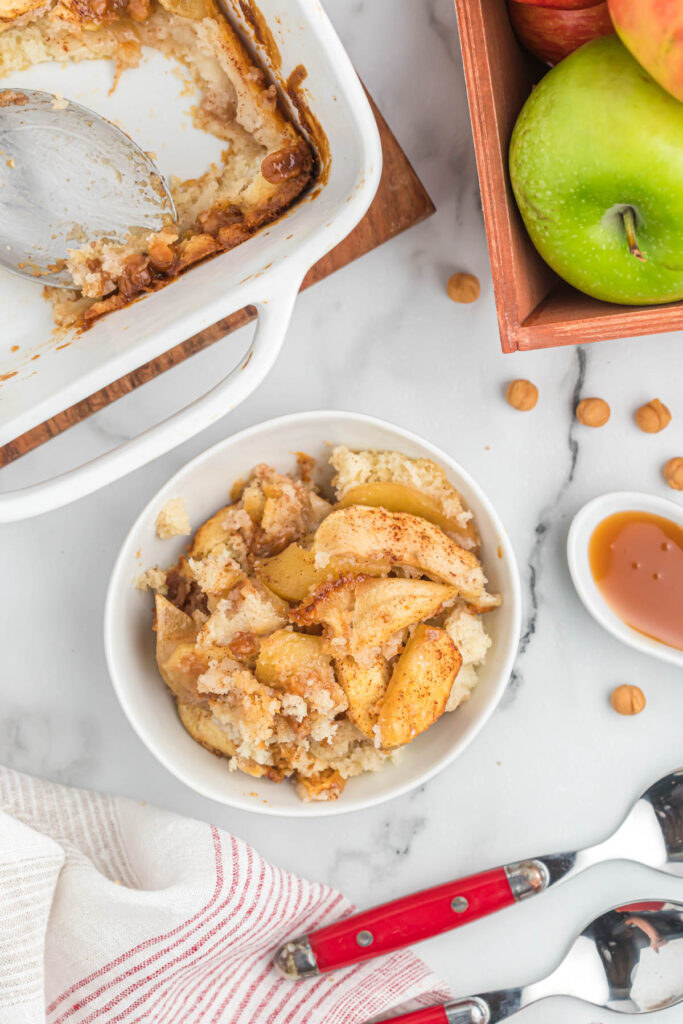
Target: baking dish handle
column 274, row 314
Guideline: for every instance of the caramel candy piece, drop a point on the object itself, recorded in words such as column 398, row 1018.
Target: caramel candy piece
column 593, row 412
column 463, row 288
column 521, row 395
column 628, row 700
column 673, row 473
column 653, row 417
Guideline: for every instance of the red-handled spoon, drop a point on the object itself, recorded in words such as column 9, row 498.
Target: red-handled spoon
column 652, row 834
column 628, row 960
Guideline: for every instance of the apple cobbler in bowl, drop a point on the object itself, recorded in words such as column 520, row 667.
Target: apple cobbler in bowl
column 314, row 627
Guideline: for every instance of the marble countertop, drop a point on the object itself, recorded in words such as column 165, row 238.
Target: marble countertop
column 555, row 768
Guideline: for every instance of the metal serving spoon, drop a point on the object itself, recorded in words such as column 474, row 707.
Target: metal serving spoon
column 652, row 834
column 68, row 176
column 629, row 960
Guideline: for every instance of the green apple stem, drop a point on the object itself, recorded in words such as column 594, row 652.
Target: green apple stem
column 629, row 218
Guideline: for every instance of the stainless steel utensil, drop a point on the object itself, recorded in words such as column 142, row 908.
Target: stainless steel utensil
column 68, row 176
column 629, row 960
column 652, row 834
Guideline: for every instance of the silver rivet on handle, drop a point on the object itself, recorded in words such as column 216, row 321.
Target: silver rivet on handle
column 365, row 938
column 527, row 878
column 459, row 905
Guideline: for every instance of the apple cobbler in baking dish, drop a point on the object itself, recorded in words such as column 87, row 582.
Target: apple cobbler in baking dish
column 311, row 640
column 265, row 166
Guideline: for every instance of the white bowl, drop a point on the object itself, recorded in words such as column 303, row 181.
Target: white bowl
column 204, row 485
column 580, row 532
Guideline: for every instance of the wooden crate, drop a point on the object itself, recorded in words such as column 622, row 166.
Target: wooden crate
column 535, row 309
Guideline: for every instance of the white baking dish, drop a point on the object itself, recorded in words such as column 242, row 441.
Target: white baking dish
column 265, row 271
column 129, row 639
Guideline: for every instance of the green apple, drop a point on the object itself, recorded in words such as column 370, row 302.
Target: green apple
column 596, row 162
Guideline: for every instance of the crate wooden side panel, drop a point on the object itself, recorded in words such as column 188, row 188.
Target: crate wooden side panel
column 499, row 77
column 567, row 317
column 535, row 309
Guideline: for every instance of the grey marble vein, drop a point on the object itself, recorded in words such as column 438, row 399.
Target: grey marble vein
column 391, row 841
column 545, row 523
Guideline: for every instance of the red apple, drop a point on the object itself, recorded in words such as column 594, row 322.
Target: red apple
column 653, row 32
column 552, row 33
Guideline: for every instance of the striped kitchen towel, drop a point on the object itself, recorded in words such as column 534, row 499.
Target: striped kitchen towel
column 111, row 911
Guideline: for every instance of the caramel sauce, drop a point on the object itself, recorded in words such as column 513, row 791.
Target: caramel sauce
column 636, row 560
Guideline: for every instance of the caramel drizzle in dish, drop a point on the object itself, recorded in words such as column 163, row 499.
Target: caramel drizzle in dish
column 287, row 169
column 218, row 230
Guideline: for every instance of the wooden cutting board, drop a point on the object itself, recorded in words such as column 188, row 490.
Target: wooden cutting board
column 401, row 201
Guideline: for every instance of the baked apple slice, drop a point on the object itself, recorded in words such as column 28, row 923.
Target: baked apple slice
column 293, row 573
column 182, row 669
column 364, row 687
column 171, row 626
column 385, row 606
column 330, row 605
column 285, row 655
column 396, row 497
column 419, row 686
column 204, row 729
column 175, row 631
column 370, row 534
column 366, row 613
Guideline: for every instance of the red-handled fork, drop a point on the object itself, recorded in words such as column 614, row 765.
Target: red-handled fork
column 652, row 834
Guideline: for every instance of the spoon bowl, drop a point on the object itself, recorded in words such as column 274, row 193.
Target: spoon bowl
column 664, row 802
column 640, row 951
column 651, row 834
column 630, row 960
column 584, row 523
column 67, row 177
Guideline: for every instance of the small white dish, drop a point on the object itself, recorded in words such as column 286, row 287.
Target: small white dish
column 204, row 485
column 580, row 532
